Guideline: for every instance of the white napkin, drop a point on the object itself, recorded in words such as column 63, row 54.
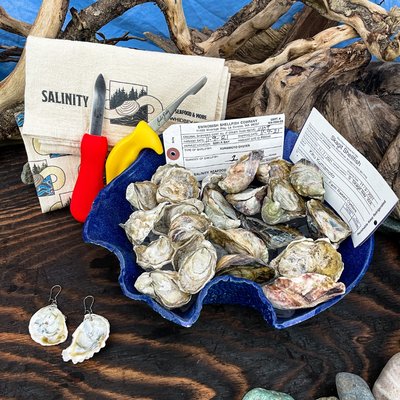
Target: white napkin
column 60, row 76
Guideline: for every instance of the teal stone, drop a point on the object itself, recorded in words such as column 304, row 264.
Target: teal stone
column 352, row 387
column 264, row 394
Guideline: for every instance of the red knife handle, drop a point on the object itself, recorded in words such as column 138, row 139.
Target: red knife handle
column 90, row 178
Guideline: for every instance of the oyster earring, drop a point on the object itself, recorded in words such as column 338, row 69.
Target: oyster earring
column 89, row 337
column 47, row 326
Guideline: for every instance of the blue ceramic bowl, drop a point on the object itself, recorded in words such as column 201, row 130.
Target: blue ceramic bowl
column 111, row 208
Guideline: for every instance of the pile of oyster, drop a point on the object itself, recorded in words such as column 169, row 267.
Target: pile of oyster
column 263, row 221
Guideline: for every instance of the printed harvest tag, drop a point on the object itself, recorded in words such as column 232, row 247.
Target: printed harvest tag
column 354, row 188
column 210, row 147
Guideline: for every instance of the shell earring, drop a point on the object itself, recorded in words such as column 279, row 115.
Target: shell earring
column 47, row 326
column 90, row 336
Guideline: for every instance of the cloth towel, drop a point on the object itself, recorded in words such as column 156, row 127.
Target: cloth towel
column 60, row 77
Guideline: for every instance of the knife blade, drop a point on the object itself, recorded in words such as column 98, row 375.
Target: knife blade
column 94, row 149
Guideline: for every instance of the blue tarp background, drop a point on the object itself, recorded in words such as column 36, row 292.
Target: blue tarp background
column 142, row 18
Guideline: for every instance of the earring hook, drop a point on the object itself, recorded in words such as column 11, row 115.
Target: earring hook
column 53, row 299
column 88, row 310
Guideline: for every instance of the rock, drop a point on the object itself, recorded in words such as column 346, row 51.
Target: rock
column 26, row 174
column 264, row 394
column 328, row 398
column 352, row 387
column 387, row 386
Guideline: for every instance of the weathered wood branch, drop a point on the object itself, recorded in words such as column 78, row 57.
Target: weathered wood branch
column 10, row 53
column 367, row 122
column 293, row 88
column 295, row 49
column 85, row 23
column 226, row 46
column 373, row 23
column 13, row 25
column 178, row 29
column 47, row 24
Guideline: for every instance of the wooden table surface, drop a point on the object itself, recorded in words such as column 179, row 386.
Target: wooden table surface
column 228, row 351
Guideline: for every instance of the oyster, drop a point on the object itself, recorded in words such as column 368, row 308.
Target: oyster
column 88, row 339
column 239, row 241
column 155, row 255
column 307, row 179
column 245, row 266
column 184, row 226
column 142, row 195
column 140, row 223
column 161, row 227
column 305, row 255
column 323, row 222
column 47, row 326
column 177, row 184
column 195, row 262
column 211, row 181
column 161, row 171
column 249, row 201
column 275, row 169
column 282, row 203
column 220, row 212
column 274, row 236
column 162, row 286
column 241, row 174
column 303, row 291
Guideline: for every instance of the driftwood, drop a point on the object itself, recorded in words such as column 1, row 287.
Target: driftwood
column 367, row 122
column 290, row 69
column 47, row 24
column 294, row 87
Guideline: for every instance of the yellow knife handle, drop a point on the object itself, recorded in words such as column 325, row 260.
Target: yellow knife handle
column 126, row 151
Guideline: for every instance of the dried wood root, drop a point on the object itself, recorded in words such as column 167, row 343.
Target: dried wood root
column 366, row 121
column 294, row 87
column 47, row 24
column 373, row 23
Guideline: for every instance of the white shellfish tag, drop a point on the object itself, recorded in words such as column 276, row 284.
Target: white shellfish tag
column 354, row 188
column 47, row 326
column 89, row 338
column 211, row 147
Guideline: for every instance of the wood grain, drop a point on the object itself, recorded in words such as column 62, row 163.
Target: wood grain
column 228, row 351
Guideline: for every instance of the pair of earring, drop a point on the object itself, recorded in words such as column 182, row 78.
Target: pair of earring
column 48, row 328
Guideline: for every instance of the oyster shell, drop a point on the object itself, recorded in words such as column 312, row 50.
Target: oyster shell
column 275, row 169
column 155, row 255
column 195, row 262
column 142, row 195
column 162, row 225
column 161, row 171
column 245, row 266
column 177, row 184
column 323, row 222
column 303, row 291
column 249, row 201
column 220, row 212
column 47, row 326
column 184, row 226
column 305, row 256
column 140, row 223
column 274, row 236
column 211, row 181
column 88, row 339
column 239, row 241
column 241, row 174
column 282, row 203
column 162, row 286
column 307, row 179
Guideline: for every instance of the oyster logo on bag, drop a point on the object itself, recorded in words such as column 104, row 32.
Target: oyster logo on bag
column 130, row 103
